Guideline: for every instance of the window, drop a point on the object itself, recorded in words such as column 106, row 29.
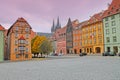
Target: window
column 99, row 32
column 90, row 28
column 113, row 30
column 114, row 39
column 21, row 48
column 106, row 19
column 113, row 17
column 80, row 43
column 100, row 40
column 26, row 49
column 94, row 27
column 17, row 56
column 86, row 35
column 107, row 31
column 16, row 42
column 17, row 28
column 99, row 26
column 16, row 49
column 21, row 41
column 26, row 42
column 94, row 33
column 90, row 41
column 113, row 23
column 94, row 41
column 26, row 55
column 26, row 29
column 107, row 39
column 16, row 34
column 106, row 25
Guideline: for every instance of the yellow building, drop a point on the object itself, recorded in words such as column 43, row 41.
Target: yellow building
column 92, row 35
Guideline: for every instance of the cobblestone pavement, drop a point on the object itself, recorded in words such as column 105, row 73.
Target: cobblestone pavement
column 77, row 68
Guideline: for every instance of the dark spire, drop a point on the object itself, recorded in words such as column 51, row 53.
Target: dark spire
column 58, row 26
column 69, row 25
column 53, row 27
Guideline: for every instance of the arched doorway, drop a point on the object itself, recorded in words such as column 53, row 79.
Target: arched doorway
column 98, row 49
column 87, row 50
column 80, row 50
column 67, row 51
column 60, row 51
column 75, row 51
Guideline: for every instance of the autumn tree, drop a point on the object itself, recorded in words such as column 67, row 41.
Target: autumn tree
column 35, row 44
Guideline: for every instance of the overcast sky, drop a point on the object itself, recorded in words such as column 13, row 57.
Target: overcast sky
column 40, row 13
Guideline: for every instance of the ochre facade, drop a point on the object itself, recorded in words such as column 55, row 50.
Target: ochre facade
column 92, row 35
column 19, row 41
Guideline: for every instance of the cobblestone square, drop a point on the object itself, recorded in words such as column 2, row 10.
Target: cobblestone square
column 72, row 68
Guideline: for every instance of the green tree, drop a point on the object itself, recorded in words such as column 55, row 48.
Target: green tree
column 46, row 47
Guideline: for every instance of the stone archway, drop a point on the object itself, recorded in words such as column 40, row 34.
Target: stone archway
column 98, row 50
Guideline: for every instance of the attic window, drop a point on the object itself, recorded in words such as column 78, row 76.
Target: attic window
column 117, row 10
column 108, row 12
column 112, row 8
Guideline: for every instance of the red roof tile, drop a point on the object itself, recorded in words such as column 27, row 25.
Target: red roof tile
column 18, row 20
column 113, row 8
column 2, row 28
column 22, row 38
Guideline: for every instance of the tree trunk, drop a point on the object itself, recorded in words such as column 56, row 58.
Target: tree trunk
column 37, row 55
column 41, row 55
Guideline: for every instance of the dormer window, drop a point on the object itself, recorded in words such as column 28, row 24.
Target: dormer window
column 117, row 10
column 22, row 40
column 112, row 8
column 108, row 12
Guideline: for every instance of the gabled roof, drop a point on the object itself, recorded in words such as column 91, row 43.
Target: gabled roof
column 113, row 8
column 2, row 28
column 22, row 38
column 96, row 17
column 18, row 20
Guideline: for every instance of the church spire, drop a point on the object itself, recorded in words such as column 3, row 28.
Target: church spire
column 58, row 26
column 53, row 27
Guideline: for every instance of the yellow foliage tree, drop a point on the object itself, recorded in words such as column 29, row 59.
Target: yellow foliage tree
column 36, row 42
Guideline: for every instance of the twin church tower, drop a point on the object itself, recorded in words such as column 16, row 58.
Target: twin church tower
column 55, row 27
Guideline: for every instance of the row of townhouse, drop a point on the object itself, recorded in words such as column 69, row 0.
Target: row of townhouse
column 98, row 34
column 15, row 43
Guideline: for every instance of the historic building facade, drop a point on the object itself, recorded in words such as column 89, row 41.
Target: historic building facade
column 77, row 38
column 2, row 43
column 61, row 40
column 19, row 40
column 111, row 22
column 69, row 37
column 92, row 35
